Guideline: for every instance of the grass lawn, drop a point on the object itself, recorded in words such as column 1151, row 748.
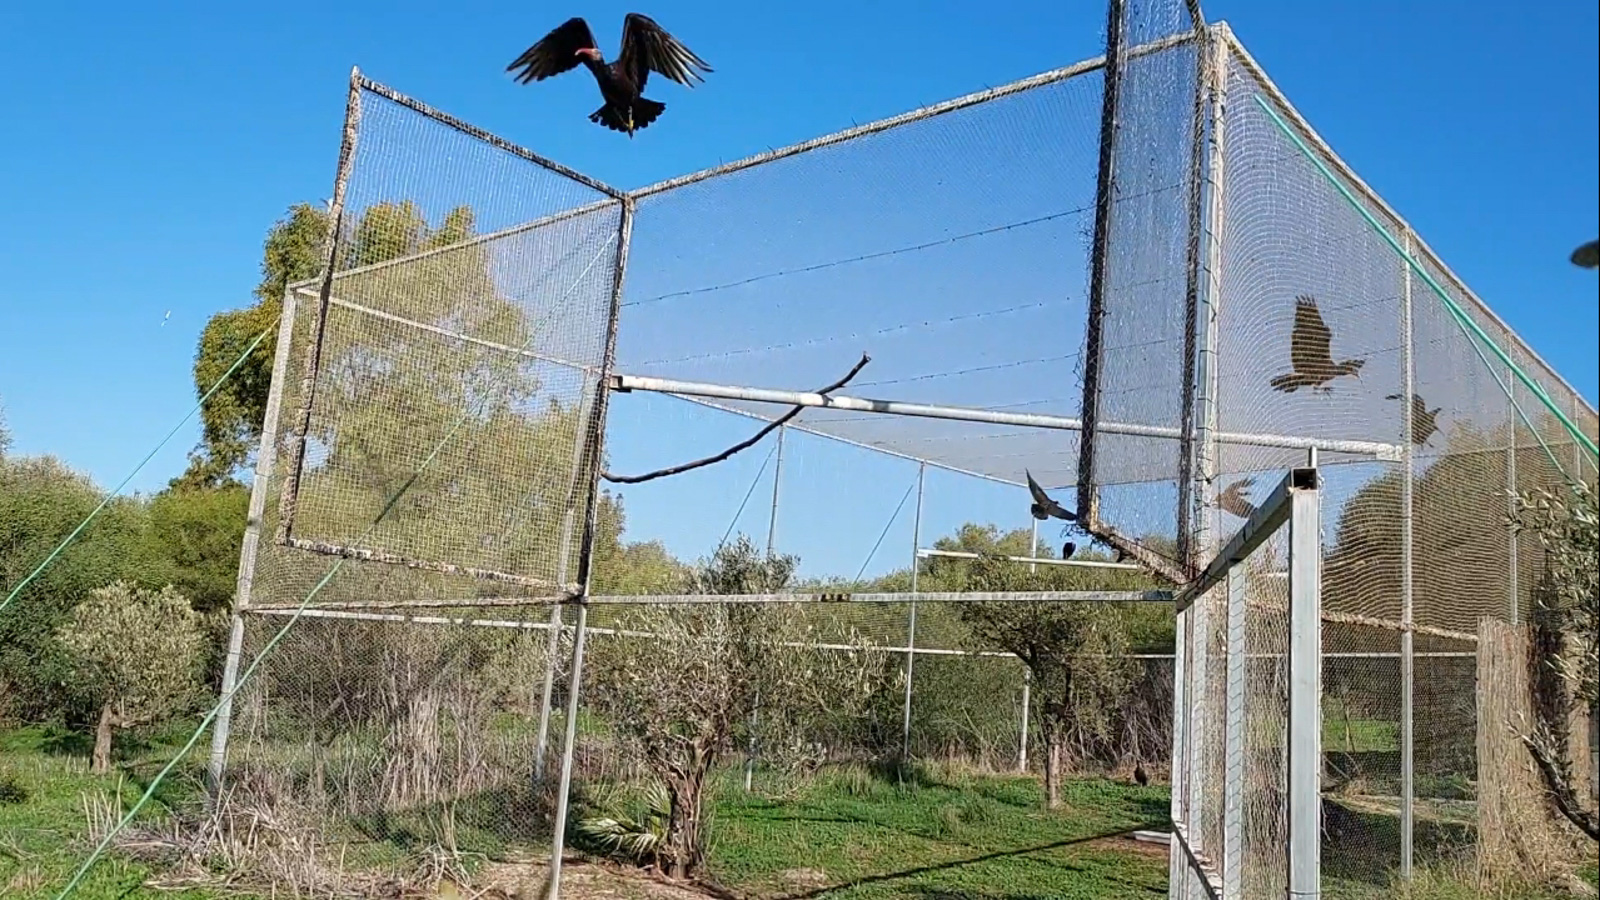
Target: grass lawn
column 928, row 834
column 940, row 836
column 42, row 833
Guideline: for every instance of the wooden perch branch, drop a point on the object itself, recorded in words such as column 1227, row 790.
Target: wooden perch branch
column 742, row 445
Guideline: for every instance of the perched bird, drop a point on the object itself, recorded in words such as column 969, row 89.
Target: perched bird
column 1309, row 352
column 1140, row 775
column 1067, row 549
column 646, row 48
column 1043, row 507
column 1424, row 421
column 1587, row 256
column 1233, row 498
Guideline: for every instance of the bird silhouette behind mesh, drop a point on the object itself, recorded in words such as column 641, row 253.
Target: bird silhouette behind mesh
column 1310, row 353
column 1424, row 421
column 646, row 48
column 1234, row 498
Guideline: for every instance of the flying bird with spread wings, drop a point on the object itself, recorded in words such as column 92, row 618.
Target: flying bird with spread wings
column 1044, row 507
column 1310, row 353
column 1424, row 421
column 646, row 48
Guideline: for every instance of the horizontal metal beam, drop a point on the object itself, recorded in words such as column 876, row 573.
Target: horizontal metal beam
column 925, row 553
column 974, row 414
column 358, row 615
column 916, row 115
column 791, row 597
column 1267, row 519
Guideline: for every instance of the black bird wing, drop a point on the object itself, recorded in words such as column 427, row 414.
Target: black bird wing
column 647, row 47
column 1587, row 256
column 1039, row 496
column 1311, row 342
column 554, row 53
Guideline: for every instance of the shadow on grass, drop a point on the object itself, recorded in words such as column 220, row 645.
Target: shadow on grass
column 1364, row 847
column 968, row 861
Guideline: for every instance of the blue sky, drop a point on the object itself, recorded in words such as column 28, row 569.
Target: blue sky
column 150, row 146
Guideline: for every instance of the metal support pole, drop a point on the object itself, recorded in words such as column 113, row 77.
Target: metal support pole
column 772, row 537
column 266, row 459
column 552, row 648
column 1233, row 779
column 777, row 481
column 1305, row 689
column 1407, row 612
column 1022, row 742
column 553, row 643
column 1033, row 545
column 1511, row 485
column 597, row 432
column 911, row 624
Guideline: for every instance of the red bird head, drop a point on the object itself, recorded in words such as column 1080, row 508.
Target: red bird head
column 589, row 53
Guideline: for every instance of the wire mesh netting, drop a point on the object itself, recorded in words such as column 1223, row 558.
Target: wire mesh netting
column 457, row 359
column 1141, row 326
column 950, row 248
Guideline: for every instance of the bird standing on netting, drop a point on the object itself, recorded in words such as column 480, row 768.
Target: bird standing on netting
column 1310, row 354
column 1424, row 421
column 1234, row 499
column 1043, row 506
column 646, row 48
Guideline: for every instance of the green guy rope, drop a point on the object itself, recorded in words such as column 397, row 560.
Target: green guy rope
column 142, row 463
column 267, row 649
column 1449, row 302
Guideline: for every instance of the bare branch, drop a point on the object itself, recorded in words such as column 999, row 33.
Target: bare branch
column 742, row 445
column 1560, row 787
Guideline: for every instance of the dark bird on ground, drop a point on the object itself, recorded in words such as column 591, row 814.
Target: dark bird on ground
column 1043, row 507
column 1067, row 549
column 1587, row 256
column 1310, row 352
column 1234, row 499
column 1139, row 774
column 646, row 48
column 1424, row 421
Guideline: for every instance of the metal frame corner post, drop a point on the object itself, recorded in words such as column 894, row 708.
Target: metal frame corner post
column 752, row 747
column 1407, row 611
column 266, row 460
column 911, row 619
column 1094, row 347
column 1304, row 795
column 1234, row 738
column 596, row 431
column 348, row 142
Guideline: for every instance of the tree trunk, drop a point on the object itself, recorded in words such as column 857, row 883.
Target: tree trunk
column 684, row 838
column 1053, row 738
column 102, row 741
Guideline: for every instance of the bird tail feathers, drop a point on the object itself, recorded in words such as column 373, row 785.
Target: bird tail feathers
column 1285, row 383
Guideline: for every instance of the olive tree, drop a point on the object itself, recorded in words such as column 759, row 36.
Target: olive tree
column 137, row 655
column 1566, row 634
column 678, row 683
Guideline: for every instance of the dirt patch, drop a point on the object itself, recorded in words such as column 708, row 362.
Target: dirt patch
column 580, row 880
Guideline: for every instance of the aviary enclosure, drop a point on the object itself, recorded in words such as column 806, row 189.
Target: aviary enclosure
column 1091, row 276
